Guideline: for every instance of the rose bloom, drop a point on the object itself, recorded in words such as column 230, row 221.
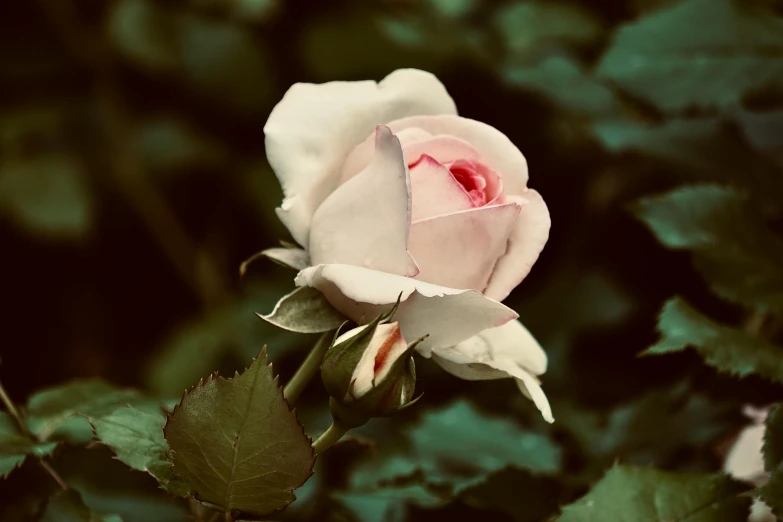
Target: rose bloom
column 390, row 192
column 745, row 461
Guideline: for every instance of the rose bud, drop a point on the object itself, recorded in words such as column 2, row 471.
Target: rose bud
column 369, row 371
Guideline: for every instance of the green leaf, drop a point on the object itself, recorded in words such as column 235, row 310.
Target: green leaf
column 384, row 505
column 305, row 310
column 68, row 506
column 55, row 413
column 648, row 495
column 169, row 144
column 772, row 492
column 773, row 438
column 218, row 60
column 249, row 10
column 227, row 438
column 517, row 492
column 136, row 437
column 653, row 428
column 732, row 247
column 109, row 486
column 697, row 53
column 564, row 81
column 527, row 27
column 47, row 195
column 225, row 62
column 726, row 349
column 15, row 446
column 145, row 34
column 764, row 131
column 357, row 44
column 459, row 446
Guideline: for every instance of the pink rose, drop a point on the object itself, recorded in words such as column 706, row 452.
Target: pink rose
column 389, row 191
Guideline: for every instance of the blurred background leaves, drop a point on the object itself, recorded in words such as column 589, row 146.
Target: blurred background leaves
column 133, row 183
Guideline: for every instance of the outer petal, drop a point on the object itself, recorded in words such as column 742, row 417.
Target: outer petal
column 531, row 388
column 366, row 221
column 445, row 149
column 314, row 127
column 361, row 155
column 435, row 191
column 527, row 240
column 495, row 148
column 460, row 250
column 745, row 460
column 415, row 143
column 447, row 315
column 506, row 351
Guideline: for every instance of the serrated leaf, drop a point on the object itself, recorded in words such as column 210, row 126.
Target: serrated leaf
column 648, row 495
column 458, row 446
column 68, row 506
column 772, row 492
column 732, row 247
column 15, row 446
column 238, row 444
column 55, row 413
column 136, row 437
column 47, row 195
column 724, row 348
column 305, row 310
column 697, row 53
column 773, row 438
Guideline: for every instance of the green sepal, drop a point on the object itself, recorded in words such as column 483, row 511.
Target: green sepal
column 341, row 359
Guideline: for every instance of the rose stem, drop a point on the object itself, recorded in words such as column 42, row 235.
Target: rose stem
column 310, row 366
column 11, row 407
column 329, row 437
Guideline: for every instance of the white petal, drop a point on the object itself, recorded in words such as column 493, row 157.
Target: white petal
column 745, row 460
column 365, row 222
column 435, row 191
column 387, row 337
column 506, row 351
column 530, row 386
column 495, row 148
column 313, row 128
column 527, row 240
column 445, row 149
column 361, row 155
column 460, row 250
column 447, row 315
column 496, row 347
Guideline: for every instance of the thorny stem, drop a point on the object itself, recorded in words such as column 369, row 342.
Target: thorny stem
column 14, row 411
column 310, row 366
column 330, row 437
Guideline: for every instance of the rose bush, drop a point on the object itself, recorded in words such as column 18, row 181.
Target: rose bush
column 390, row 192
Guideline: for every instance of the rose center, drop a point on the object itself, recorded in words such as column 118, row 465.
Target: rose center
column 472, row 179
